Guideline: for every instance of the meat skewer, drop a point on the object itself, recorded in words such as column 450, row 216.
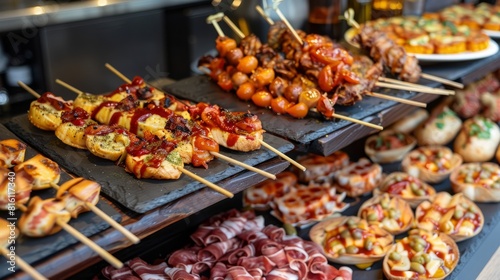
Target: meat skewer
column 216, row 154
column 322, row 100
column 114, row 70
column 47, row 217
column 8, row 233
column 389, row 51
column 137, row 161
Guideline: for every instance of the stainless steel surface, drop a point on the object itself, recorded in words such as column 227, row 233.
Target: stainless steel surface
column 23, row 14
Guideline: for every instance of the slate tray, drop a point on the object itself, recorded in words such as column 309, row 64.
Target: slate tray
column 137, row 195
column 32, row 250
column 202, row 89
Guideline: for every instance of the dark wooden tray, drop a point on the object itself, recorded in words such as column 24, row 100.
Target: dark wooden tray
column 33, row 250
column 137, row 195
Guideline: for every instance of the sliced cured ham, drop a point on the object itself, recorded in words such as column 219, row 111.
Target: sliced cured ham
column 14, row 192
column 41, row 216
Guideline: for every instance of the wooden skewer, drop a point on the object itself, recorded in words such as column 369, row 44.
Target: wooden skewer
column 118, row 73
column 233, row 27
column 116, row 263
column 24, row 266
column 28, row 89
column 107, row 219
column 398, row 82
column 401, row 87
column 290, row 27
column 130, row 236
column 239, row 163
column 358, row 121
column 441, row 80
column 282, row 155
column 207, row 183
column 214, row 19
column 70, row 87
column 397, row 99
column 264, row 15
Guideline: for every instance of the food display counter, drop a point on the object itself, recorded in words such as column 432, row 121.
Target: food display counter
column 164, row 214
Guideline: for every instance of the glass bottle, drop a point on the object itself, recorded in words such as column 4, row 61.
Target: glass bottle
column 362, row 10
column 324, row 18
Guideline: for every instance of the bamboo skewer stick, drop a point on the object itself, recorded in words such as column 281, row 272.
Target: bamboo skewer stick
column 24, row 266
column 264, row 15
column 130, row 236
column 287, row 23
column 403, row 83
column 214, row 19
column 282, row 155
column 401, row 87
column 246, row 166
column 28, row 89
column 116, row 263
column 358, row 121
column 207, row 183
column 117, row 73
column 398, row 99
column 70, row 87
column 234, row 27
column 441, row 80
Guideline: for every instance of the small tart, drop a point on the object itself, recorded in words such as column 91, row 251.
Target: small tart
column 359, row 177
column 390, row 213
column 421, row 255
column 479, row 182
column 389, row 146
column 431, row 164
column 456, row 216
column 351, row 240
column 407, row 187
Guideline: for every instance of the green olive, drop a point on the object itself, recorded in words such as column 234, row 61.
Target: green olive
column 417, row 247
column 368, row 244
column 351, row 223
column 394, row 213
column 395, row 256
column 418, row 259
column 419, row 192
column 372, row 217
column 345, row 234
column 472, row 209
column 341, row 251
column 426, row 257
column 417, row 267
column 385, row 203
column 352, row 249
column 357, row 234
column 459, row 213
column 414, row 186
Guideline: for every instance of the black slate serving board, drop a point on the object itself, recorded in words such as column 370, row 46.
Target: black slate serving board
column 202, row 89
column 137, row 195
column 32, row 250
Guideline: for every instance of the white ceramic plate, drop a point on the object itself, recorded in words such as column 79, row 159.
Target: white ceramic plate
column 491, row 50
column 492, row 33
